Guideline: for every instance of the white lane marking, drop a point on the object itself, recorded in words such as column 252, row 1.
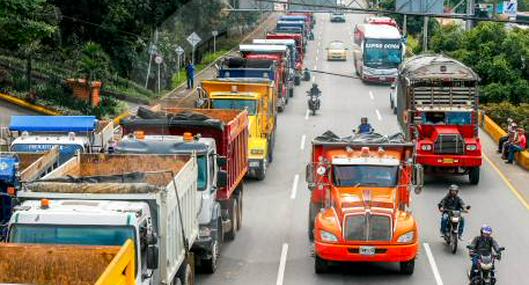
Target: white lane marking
column 371, row 95
column 433, row 265
column 282, row 265
column 378, row 115
column 307, row 114
column 317, row 53
column 313, row 78
column 302, row 144
column 294, row 187
column 315, row 67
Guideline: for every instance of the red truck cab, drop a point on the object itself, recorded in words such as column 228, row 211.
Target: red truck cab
column 299, row 47
column 437, row 106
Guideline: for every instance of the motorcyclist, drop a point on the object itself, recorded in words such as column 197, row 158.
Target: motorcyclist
column 451, row 202
column 314, row 90
column 483, row 244
column 364, row 127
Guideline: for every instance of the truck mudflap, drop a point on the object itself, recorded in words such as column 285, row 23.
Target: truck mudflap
column 450, row 161
column 370, row 253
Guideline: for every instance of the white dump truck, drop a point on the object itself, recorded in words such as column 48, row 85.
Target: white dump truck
column 100, row 199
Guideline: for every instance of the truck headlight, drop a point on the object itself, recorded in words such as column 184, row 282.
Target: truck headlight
column 328, row 237
column 258, row 151
column 204, row 232
column 426, row 147
column 407, row 237
column 472, row 147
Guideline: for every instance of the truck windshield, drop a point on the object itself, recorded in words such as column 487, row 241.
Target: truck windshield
column 249, row 105
column 447, row 118
column 365, row 175
column 65, row 151
column 382, row 53
column 202, row 181
column 69, row 234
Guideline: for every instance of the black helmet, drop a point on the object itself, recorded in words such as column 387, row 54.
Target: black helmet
column 314, row 85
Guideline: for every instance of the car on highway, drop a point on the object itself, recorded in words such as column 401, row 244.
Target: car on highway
column 337, row 18
column 336, row 51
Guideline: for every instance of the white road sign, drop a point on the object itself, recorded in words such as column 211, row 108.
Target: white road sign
column 179, row 50
column 511, row 8
column 158, row 59
column 193, row 39
column 215, row 33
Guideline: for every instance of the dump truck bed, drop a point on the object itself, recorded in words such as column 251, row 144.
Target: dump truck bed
column 229, row 128
column 67, row 264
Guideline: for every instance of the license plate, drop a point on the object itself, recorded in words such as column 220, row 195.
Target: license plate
column 367, row 250
column 254, row 163
column 448, row 160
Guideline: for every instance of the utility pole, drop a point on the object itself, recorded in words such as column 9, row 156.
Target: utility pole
column 405, row 25
column 425, row 34
column 470, row 13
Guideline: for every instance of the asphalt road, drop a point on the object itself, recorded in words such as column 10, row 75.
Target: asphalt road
column 272, row 246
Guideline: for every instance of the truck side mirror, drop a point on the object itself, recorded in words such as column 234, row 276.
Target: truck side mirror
column 152, row 257
column 309, row 174
column 222, row 179
column 418, row 176
column 221, row 161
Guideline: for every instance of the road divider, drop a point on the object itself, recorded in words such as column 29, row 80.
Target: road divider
column 294, row 190
column 378, row 115
column 371, row 95
column 433, row 265
column 302, row 144
column 282, row 265
column 307, row 114
column 26, row 105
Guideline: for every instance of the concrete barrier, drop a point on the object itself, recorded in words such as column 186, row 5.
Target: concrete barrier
column 26, row 105
column 496, row 132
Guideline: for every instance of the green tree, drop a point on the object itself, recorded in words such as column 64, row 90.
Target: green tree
column 448, row 39
column 24, row 24
column 93, row 64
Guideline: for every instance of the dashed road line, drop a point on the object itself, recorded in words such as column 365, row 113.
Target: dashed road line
column 302, row 144
column 371, row 95
column 282, row 264
column 378, row 115
column 307, row 114
column 433, row 265
column 294, row 190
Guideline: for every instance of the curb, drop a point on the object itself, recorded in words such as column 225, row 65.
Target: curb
column 496, row 132
column 26, row 105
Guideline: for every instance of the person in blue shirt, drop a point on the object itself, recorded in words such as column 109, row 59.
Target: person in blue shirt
column 364, row 127
column 190, row 74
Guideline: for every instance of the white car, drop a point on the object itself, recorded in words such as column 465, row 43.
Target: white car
column 393, row 97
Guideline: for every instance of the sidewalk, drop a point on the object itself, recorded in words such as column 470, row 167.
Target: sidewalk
column 186, row 98
column 514, row 174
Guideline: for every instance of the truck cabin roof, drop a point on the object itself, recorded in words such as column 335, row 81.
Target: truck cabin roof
column 287, row 42
column 163, row 145
column 53, row 124
column 436, row 67
column 263, row 48
column 242, row 80
column 239, row 62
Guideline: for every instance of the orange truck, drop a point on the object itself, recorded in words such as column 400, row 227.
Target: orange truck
column 360, row 200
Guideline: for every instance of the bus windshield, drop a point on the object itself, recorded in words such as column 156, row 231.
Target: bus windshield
column 382, row 53
column 249, row 105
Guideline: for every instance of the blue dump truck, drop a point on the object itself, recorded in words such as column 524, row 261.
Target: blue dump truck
column 72, row 134
column 17, row 168
column 293, row 25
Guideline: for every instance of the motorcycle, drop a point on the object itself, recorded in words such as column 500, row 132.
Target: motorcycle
column 313, row 101
column 452, row 232
column 485, row 274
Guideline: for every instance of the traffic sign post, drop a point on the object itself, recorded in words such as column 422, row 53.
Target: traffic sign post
column 193, row 39
column 152, row 51
column 215, row 34
column 158, row 59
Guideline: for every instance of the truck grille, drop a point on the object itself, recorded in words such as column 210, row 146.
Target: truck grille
column 449, row 144
column 367, row 228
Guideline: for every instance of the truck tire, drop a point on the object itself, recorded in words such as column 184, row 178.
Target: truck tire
column 210, row 265
column 394, row 111
column 473, row 175
column 185, row 274
column 320, row 265
column 271, row 147
column 260, row 173
column 233, row 212
column 239, row 214
column 407, row 267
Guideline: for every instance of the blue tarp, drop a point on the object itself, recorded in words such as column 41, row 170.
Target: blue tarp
column 53, row 123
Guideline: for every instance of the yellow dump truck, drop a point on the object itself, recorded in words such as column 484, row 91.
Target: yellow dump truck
column 257, row 96
column 67, row 264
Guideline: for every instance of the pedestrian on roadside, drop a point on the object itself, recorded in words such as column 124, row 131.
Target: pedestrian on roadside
column 519, row 145
column 513, row 136
column 511, row 128
column 190, row 74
